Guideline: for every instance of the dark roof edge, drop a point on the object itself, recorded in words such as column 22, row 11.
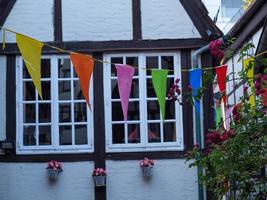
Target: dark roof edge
column 5, row 10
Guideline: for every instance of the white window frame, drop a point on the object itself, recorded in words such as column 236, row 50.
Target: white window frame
column 143, row 145
column 54, row 148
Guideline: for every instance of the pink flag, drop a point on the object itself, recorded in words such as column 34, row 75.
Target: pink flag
column 125, row 75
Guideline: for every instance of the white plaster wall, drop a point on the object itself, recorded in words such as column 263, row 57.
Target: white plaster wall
column 31, row 17
column 172, row 179
column 166, row 20
column 97, row 20
column 2, row 97
column 26, row 181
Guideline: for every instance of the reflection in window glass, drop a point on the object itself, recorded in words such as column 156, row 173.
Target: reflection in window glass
column 44, row 112
column 169, row 132
column 117, row 114
column 80, row 112
column 153, row 111
column 167, row 63
column 118, row 134
column 80, row 134
column 64, row 112
column 29, row 94
column 44, row 135
column 153, row 132
column 77, row 90
column 133, row 111
column 29, row 113
column 46, row 90
column 45, row 68
column 29, row 136
column 65, row 136
column 64, row 90
column 64, row 68
column 151, row 63
column 133, row 133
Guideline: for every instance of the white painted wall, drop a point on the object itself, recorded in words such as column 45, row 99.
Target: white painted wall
column 2, row 97
column 172, row 179
column 31, row 17
column 26, row 181
column 166, row 20
column 97, row 20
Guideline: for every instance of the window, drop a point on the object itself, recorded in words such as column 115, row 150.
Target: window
column 230, row 7
column 144, row 129
column 61, row 121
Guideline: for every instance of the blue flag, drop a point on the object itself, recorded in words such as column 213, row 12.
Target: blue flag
column 195, row 82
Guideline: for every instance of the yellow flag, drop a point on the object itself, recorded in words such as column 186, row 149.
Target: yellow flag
column 30, row 50
column 250, row 75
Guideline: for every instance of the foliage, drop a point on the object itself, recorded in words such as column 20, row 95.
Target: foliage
column 233, row 161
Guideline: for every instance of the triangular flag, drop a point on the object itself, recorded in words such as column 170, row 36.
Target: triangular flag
column 125, row 75
column 159, row 79
column 248, row 65
column 30, row 50
column 83, row 65
column 221, row 79
column 195, row 76
column 218, row 113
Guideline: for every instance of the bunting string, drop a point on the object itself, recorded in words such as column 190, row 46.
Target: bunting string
column 111, row 63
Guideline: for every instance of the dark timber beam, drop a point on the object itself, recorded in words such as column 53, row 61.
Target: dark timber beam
column 5, row 8
column 58, row 20
column 137, row 23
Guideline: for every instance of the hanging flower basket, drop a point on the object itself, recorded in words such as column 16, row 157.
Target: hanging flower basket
column 99, row 176
column 146, row 166
column 54, row 168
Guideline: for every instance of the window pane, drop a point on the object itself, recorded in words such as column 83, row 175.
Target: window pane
column 65, row 136
column 118, row 60
column 64, row 112
column 133, row 133
column 64, row 68
column 46, row 90
column 169, row 132
column 153, row 132
column 152, row 63
column 80, row 134
column 114, row 89
column 118, row 134
column 153, row 110
column 45, row 68
column 170, row 110
column 64, row 90
column 44, row 112
column 167, row 63
column 29, row 113
column 78, row 90
column 133, row 111
column 25, row 71
column 133, row 61
column 44, row 135
column 80, row 112
column 117, row 114
column 135, row 89
column 28, row 91
column 29, row 138
column 150, row 88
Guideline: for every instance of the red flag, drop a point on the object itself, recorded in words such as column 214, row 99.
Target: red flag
column 83, row 65
column 221, row 78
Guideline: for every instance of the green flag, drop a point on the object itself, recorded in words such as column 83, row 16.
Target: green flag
column 159, row 79
column 218, row 112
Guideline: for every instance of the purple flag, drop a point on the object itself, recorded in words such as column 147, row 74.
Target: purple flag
column 125, row 75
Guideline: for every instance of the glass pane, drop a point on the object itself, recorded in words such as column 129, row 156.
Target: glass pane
column 80, row 134
column 46, row 90
column 44, row 135
column 117, row 114
column 133, row 111
column 44, row 112
column 153, row 111
column 77, row 90
column 153, row 132
column 167, row 63
column 118, row 134
column 118, row 60
column 169, row 132
column 65, row 137
column 114, row 89
column 170, row 110
column 80, row 112
column 29, row 113
column 150, row 88
column 64, row 112
column 135, row 89
column 64, row 90
column 170, row 82
column 25, row 71
column 64, row 68
column 133, row 61
column 133, row 133
column 28, row 91
column 151, row 63
column 29, row 138
column 45, row 68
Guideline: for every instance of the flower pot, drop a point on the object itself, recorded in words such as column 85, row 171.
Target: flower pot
column 53, row 173
column 99, row 181
column 147, row 171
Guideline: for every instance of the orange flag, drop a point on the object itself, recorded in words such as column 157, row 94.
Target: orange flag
column 84, row 65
